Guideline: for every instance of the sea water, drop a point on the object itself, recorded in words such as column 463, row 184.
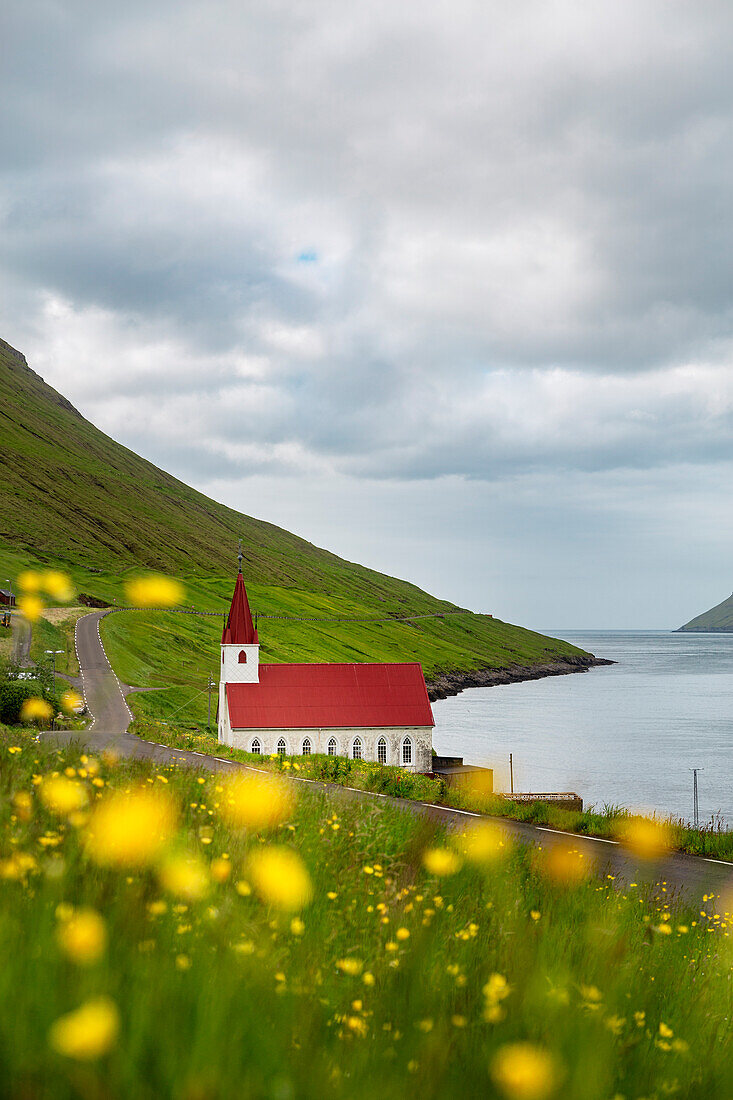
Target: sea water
column 627, row 734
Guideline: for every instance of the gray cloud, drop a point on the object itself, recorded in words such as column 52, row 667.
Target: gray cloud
column 388, row 243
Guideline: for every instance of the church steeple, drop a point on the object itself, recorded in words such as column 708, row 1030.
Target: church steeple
column 239, row 628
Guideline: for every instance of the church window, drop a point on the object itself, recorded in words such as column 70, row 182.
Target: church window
column 407, row 751
column 242, row 657
column 332, row 747
column 307, row 746
column 282, row 748
column 256, row 746
column 382, row 750
column 357, row 750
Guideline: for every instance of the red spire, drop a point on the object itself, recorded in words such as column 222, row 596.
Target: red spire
column 239, row 629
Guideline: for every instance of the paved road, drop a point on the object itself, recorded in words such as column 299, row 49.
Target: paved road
column 105, row 698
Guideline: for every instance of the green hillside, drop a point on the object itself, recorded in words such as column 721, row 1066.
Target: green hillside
column 718, row 618
column 76, row 499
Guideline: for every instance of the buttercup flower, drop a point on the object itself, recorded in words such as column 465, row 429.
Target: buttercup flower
column 522, row 1071
column 256, row 802
column 350, row 966
column 280, row 877
column 645, row 838
column 83, row 936
column 565, row 863
column 441, row 861
column 154, row 591
column 88, row 1032
column 71, row 701
column 130, row 830
column 63, row 796
column 36, row 710
column 31, row 607
column 58, row 585
column 485, row 843
column 185, row 876
column 29, row 580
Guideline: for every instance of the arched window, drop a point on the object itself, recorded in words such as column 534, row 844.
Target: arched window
column 242, row 657
column 307, row 746
column 222, row 656
column 282, row 748
column 332, row 747
column 357, row 751
column 382, row 750
column 407, row 751
column 256, row 746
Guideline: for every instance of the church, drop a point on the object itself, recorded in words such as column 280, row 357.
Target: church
column 378, row 712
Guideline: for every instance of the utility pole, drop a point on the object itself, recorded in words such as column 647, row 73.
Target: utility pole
column 210, row 685
column 695, row 805
column 511, row 774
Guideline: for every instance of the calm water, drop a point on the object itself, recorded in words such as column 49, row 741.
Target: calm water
column 628, row 733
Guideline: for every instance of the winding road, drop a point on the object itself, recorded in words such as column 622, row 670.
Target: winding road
column 692, row 876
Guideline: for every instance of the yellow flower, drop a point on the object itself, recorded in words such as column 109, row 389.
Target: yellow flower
column 83, row 936
column 29, row 580
column 665, row 1031
column 523, row 1071
column 71, row 701
column 31, row 607
column 13, row 749
column 88, row 1032
column 23, row 804
column 256, row 802
column 297, row 927
column 485, row 843
column 281, row 878
column 36, row 710
column 350, row 966
column 58, row 585
column 130, row 830
column 564, row 863
column 185, row 876
column 220, row 869
column 63, row 796
column 496, row 989
column 645, row 837
column 441, row 861
column 154, row 591
column 403, row 933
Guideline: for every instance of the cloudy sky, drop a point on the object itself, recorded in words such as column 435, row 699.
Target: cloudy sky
column 444, row 286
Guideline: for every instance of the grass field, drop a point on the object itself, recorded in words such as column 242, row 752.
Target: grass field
column 86, row 505
column 328, row 949
column 608, row 822
column 178, row 652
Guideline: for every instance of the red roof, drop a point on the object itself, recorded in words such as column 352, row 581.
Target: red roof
column 327, row 696
column 239, row 629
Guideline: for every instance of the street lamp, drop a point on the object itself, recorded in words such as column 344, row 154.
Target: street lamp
column 52, row 653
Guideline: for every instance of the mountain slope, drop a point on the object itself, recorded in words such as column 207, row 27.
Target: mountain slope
column 76, row 499
column 717, row 619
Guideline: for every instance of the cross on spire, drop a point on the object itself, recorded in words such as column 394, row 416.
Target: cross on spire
column 239, row 556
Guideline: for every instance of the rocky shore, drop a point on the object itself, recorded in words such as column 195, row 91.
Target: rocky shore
column 451, row 683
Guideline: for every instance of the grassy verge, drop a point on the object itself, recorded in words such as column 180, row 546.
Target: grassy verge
column 178, row 652
column 207, row 984
column 608, row 822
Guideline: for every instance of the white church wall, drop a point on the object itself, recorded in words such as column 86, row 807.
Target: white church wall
column 420, row 737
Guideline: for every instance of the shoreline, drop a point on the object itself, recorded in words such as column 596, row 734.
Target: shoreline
column 453, row 683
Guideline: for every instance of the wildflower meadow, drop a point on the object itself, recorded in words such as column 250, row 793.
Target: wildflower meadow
column 172, row 933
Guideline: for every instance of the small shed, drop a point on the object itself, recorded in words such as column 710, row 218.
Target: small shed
column 7, row 598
